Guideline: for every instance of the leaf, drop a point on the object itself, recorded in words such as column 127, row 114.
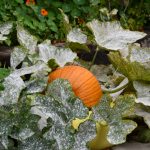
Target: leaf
column 76, row 36
column 77, row 40
column 5, row 29
column 62, row 135
column 61, row 55
column 132, row 145
column 17, row 56
column 38, row 67
column 4, row 72
column 118, row 131
column 4, row 141
column 35, row 142
column 61, row 105
column 143, row 113
column 62, row 97
column 12, row 91
column 23, row 134
column 26, row 39
column 112, row 112
column 140, row 55
column 102, row 72
column 143, row 92
column 36, row 85
column 132, row 70
column 85, row 134
column 66, row 25
column 112, row 36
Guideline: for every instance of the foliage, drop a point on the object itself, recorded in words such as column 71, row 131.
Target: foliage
column 44, row 18
column 35, row 114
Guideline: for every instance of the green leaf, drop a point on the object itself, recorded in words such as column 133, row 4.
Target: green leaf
column 35, row 142
column 66, row 25
column 79, row 2
column 112, row 36
column 61, row 55
column 26, row 39
column 143, row 92
column 61, row 106
column 4, row 72
column 17, row 56
column 111, row 113
column 132, row 70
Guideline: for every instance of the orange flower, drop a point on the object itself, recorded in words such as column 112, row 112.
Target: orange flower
column 44, row 12
column 28, row 2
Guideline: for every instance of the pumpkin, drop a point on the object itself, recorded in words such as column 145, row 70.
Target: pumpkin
column 83, row 82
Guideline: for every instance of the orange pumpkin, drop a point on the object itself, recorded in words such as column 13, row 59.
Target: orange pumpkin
column 83, row 82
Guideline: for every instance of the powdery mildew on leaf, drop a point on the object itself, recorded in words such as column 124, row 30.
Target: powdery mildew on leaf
column 141, row 55
column 111, row 112
column 33, row 69
column 76, row 35
column 143, row 92
column 61, row 105
column 13, row 87
column 111, row 35
column 143, row 113
column 26, row 39
column 17, row 56
column 61, row 55
column 86, row 133
column 5, row 29
column 118, row 131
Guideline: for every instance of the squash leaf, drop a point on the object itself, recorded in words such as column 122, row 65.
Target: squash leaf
column 112, row 112
column 132, row 145
column 77, row 40
column 112, row 36
column 61, row 55
column 132, row 70
column 86, row 133
column 142, row 112
column 26, row 39
column 17, row 56
column 11, row 93
column 36, row 68
column 5, row 29
column 61, row 105
column 143, row 92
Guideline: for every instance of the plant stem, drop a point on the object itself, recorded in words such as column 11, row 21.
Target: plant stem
column 94, row 57
column 126, row 6
column 115, row 90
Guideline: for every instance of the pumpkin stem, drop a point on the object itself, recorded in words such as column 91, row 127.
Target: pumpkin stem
column 114, row 90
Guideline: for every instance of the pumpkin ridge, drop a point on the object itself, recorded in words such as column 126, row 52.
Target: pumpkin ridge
column 84, row 83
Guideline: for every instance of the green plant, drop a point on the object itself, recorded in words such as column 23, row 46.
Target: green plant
column 35, row 114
